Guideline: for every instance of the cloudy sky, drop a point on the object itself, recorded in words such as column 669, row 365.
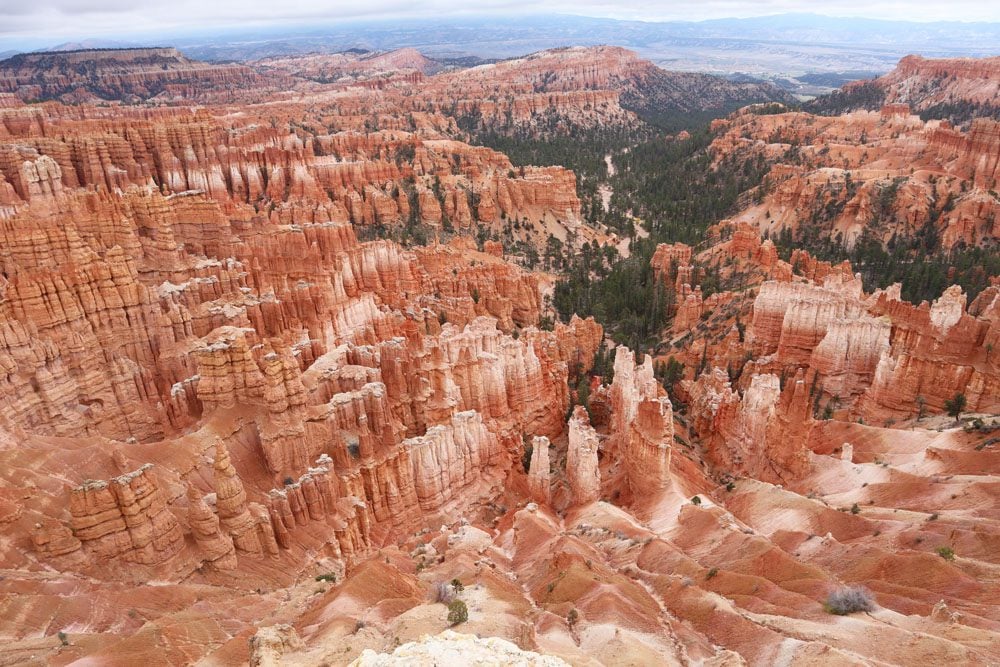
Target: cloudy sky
column 24, row 22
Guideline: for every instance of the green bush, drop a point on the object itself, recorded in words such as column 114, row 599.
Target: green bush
column 955, row 405
column 457, row 612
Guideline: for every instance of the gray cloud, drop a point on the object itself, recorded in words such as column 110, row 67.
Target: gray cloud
column 51, row 21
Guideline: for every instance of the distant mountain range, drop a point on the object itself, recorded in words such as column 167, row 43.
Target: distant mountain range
column 85, row 44
column 781, row 47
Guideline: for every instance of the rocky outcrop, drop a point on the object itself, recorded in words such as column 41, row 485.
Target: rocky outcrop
column 431, row 650
column 231, row 505
column 230, row 373
column 848, row 354
column 933, row 356
column 647, row 457
column 319, row 496
column 887, row 177
column 450, row 458
column 922, row 83
column 55, row 542
column 125, row 518
column 642, row 427
column 763, row 433
column 215, row 547
column 672, row 263
column 271, row 643
column 880, row 356
column 791, row 319
column 582, row 469
column 632, row 384
column 538, row 471
column 690, row 306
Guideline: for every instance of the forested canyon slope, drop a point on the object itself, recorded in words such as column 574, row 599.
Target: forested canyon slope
column 297, row 366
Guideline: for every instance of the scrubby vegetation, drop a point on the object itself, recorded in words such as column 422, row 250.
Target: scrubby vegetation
column 961, row 112
column 864, row 95
column 849, row 600
column 946, row 552
column 458, row 612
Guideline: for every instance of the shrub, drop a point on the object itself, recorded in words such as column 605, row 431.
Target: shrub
column 696, row 500
column 354, row 449
column 572, row 617
column 946, row 552
column 855, row 509
column 848, row 600
column 955, row 405
column 444, row 593
column 330, row 576
column 63, row 638
column 711, row 573
column 933, row 517
column 457, row 585
column 457, row 612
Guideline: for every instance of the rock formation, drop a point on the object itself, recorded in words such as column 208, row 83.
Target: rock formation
column 582, row 469
column 91, row 75
column 126, row 517
column 923, row 83
column 642, row 424
column 216, row 547
column 870, row 176
column 740, row 425
column 538, row 473
column 451, row 645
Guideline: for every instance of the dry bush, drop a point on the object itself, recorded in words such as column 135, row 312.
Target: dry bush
column 444, row 592
column 849, row 599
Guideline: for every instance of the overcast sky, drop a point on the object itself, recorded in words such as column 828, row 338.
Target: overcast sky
column 53, row 21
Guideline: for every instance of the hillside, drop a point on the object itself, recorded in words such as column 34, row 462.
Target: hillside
column 116, row 74
column 956, row 89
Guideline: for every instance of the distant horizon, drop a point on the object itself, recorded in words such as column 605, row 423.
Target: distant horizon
column 27, row 40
